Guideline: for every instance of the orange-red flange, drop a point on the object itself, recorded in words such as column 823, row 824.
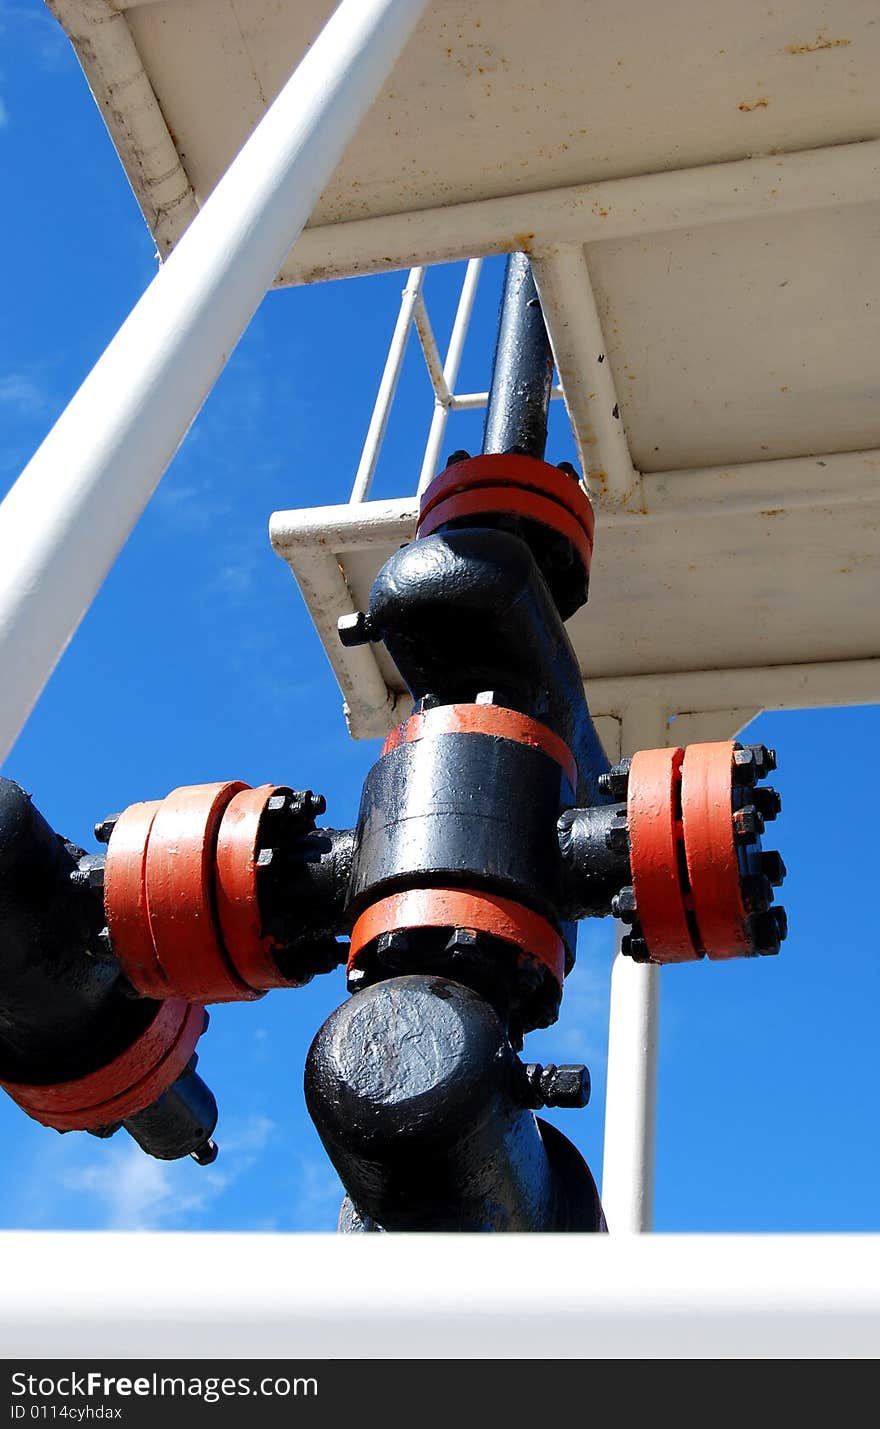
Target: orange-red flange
column 238, row 906
column 492, row 720
column 180, row 894
column 510, row 482
column 460, row 908
column 125, row 1085
column 685, row 869
column 656, row 856
column 710, row 848
column 125, row 899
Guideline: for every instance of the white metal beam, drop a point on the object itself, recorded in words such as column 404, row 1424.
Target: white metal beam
column 69, row 513
column 834, row 479
column 633, row 1031
column 161, row 1296
column 771, row 185
column 123, row 92
column 767, row 687
column 584, row 367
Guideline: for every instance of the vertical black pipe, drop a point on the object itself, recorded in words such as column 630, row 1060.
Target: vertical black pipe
column 522, row 371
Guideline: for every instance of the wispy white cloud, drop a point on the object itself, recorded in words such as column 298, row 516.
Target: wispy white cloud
column 137, row 1193
column 4, row 115
column 317, row 1197
column 20, row 392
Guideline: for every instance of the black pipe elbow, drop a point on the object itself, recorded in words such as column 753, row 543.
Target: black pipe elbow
column 66, row 1009
column 419, row 1100
column 468, row 611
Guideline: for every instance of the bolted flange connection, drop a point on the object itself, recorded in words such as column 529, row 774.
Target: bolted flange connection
column 701, row 883
column 185, row 891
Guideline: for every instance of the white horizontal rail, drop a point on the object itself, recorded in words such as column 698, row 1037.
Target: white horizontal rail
column 834, row 479
column 562, row 1296
column 66, row 518
column 590, row 213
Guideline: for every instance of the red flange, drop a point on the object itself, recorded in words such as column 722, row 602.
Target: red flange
column 238, row 906
column 125, row 899
column 519, row 485
column 710, row 849
column 181, row 895
column 655, row 832
column 125, row 1085
column 531, row 934
column 493, row 720
column 687, row 873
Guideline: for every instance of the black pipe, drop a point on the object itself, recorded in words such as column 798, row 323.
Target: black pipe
column 522, row 371
column 65, row 1008
column 467, row 611
column 421, row 1105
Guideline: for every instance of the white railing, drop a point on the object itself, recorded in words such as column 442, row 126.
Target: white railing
column 443, row 374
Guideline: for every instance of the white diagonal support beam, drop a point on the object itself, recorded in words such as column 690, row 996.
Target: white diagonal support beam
column 68, row 515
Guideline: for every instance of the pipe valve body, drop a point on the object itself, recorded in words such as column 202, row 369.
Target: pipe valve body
column 489, row 826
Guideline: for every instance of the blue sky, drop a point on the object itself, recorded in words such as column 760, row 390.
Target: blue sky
column 198, row 662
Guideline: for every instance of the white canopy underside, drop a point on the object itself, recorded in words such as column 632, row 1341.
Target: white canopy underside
column 699, row 188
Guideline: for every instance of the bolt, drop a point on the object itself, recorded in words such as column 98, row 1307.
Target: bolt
column 354, row 629
column 748, row 824
column 463, row 940
column 765, row 759
column 617, row 838
column 757, row 894
column 276, row 804
column 772, row 867
column 457, row 457
column 356, row 979
column 205, row 1154
column 616, row 781
column 767, row 802
column 767, row 930
column 316, row 804
column 393, row 949
column 104, row 829
column 569, row 470
column 265, row 857
column 623, row 905
column 745, row 767
column 567, row 1086
column 635, row 947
